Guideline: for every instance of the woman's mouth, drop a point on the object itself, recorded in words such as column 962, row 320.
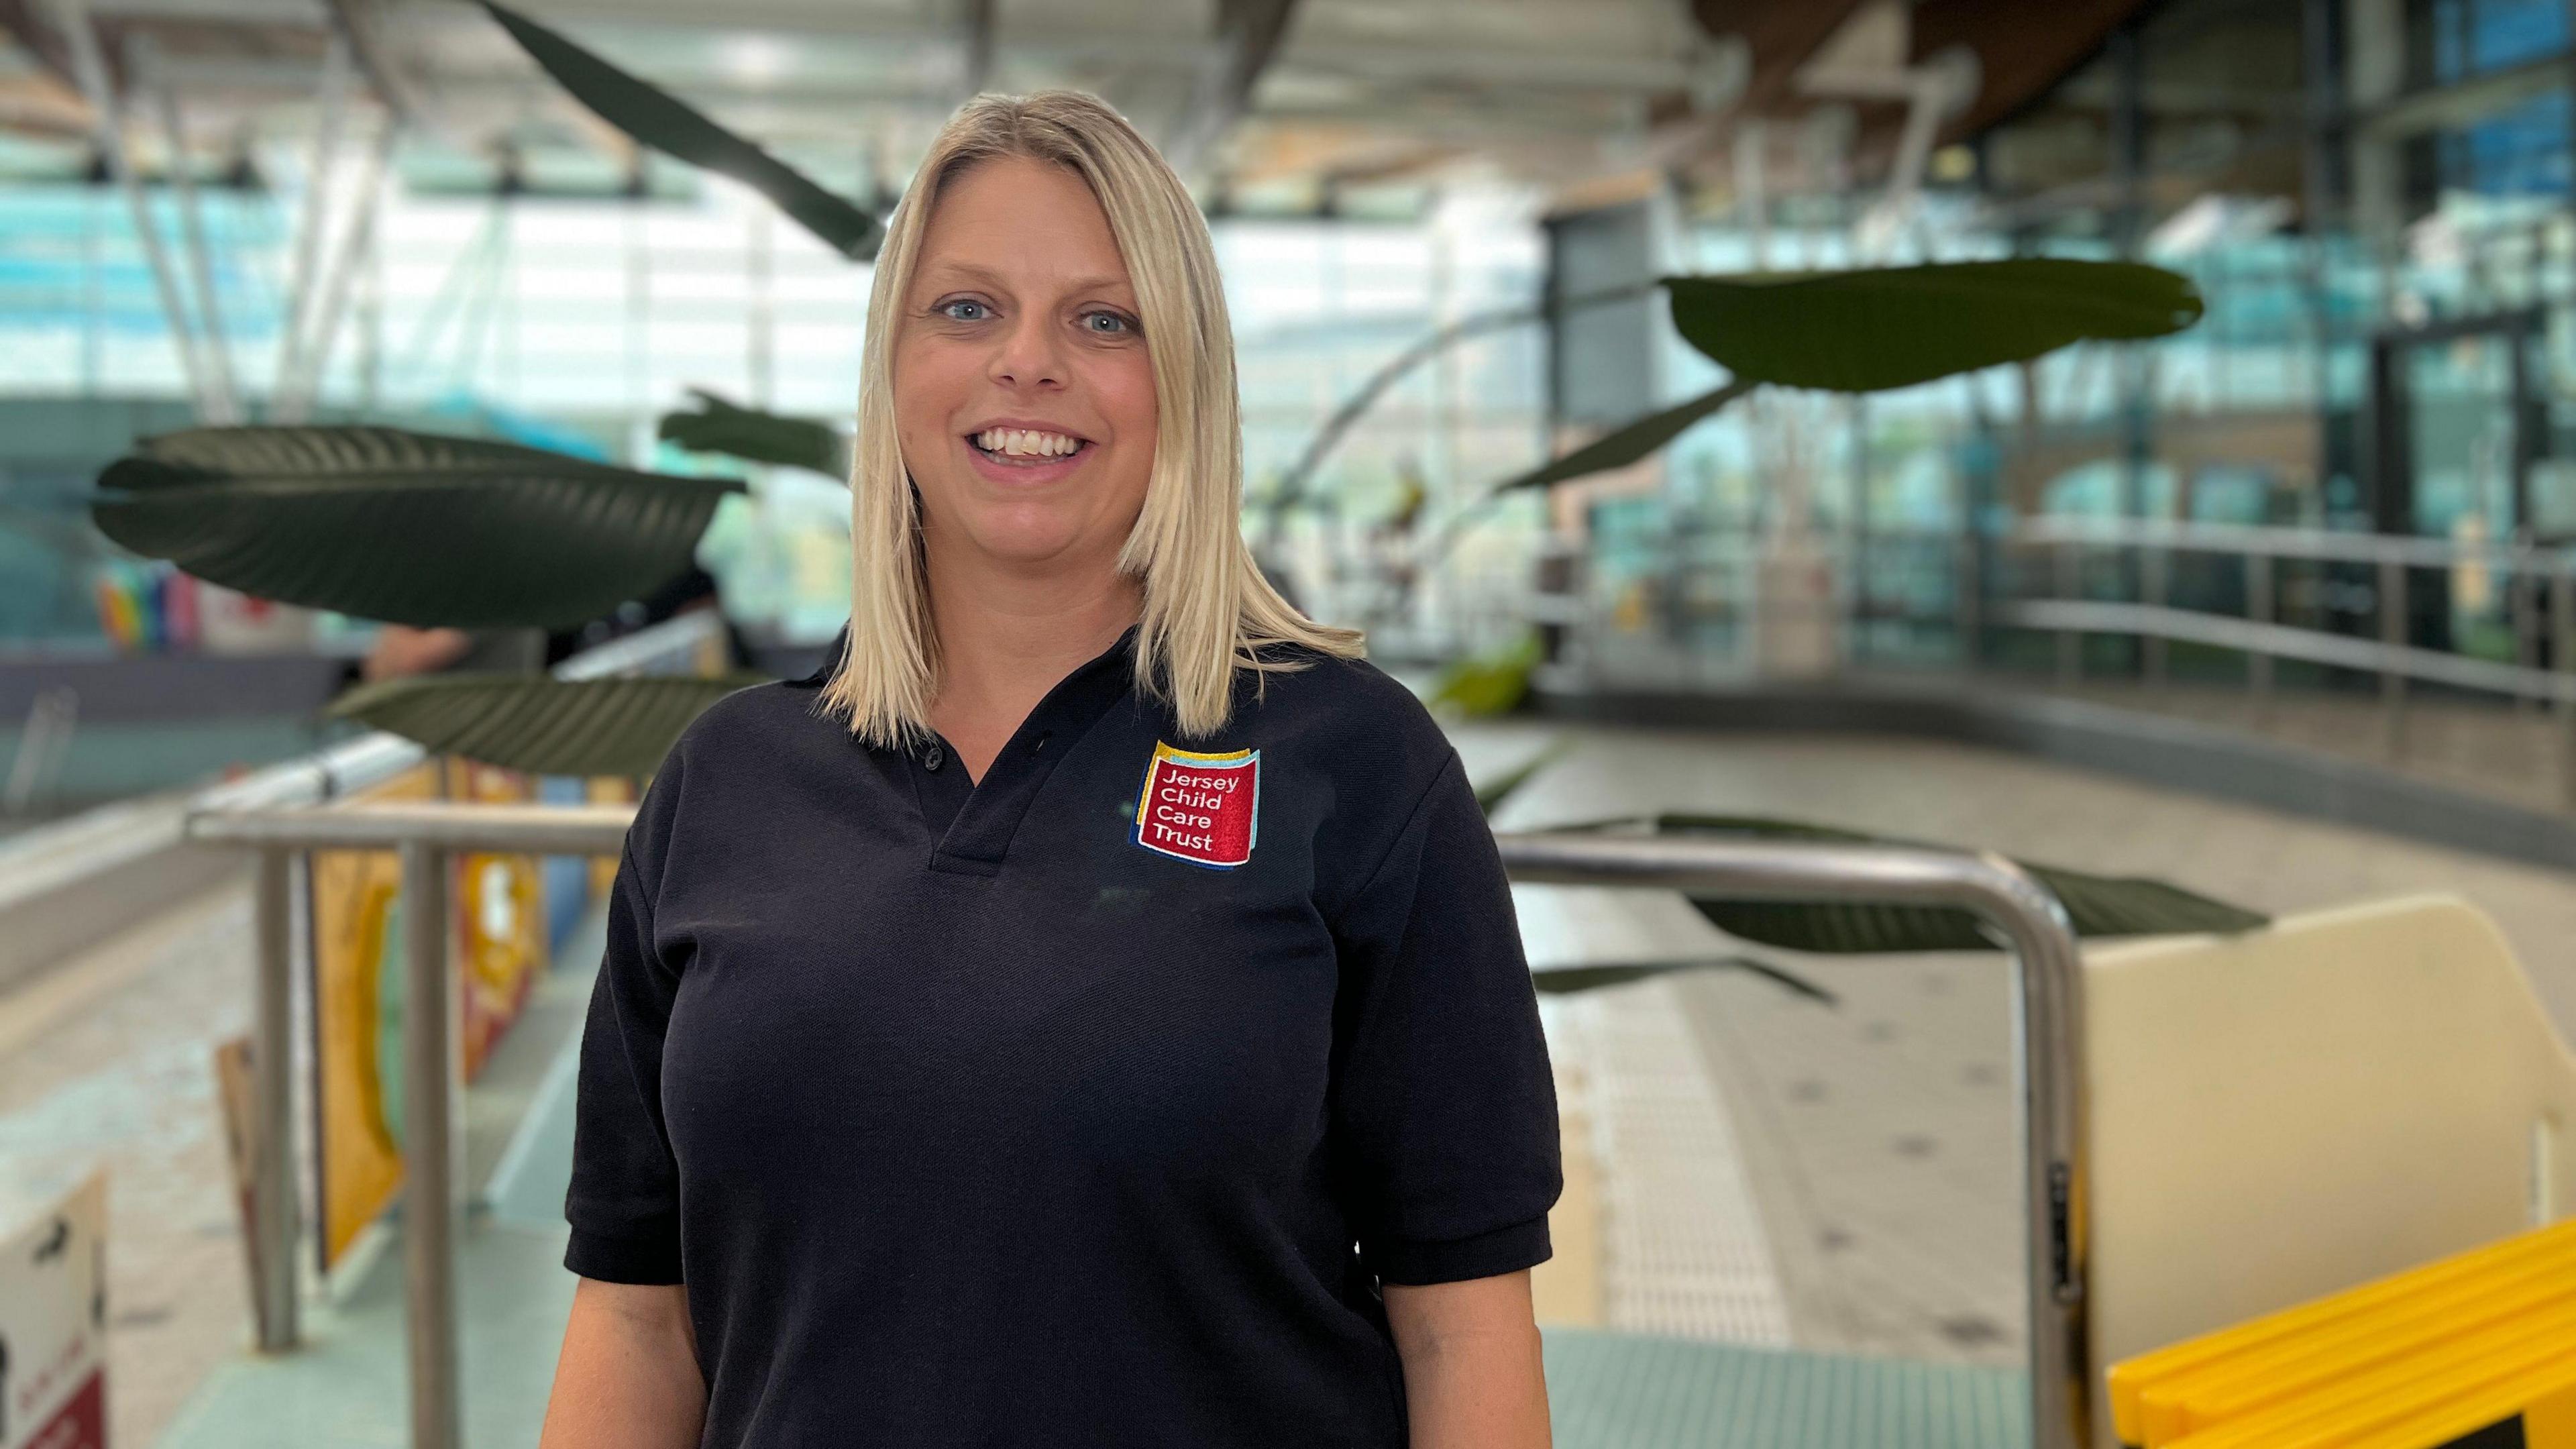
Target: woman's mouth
column 1025, row 447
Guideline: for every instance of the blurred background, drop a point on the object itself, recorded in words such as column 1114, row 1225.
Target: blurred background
column 2276, row 605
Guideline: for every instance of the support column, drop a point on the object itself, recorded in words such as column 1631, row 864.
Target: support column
column 430, row 1154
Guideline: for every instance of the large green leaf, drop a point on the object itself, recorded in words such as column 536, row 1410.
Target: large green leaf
column 411, row 528
column 1291, row 493
column 1630, row 442
column 1492, row 793
column 540, row 724
column 2096, row 905
column 720, row 426
column 664, row 122
column 1862, row 331
column 1489, row 684
column 1568, row 980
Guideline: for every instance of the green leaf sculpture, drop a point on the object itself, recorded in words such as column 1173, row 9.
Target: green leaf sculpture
column 721, row 426
column 1869, row 330
column 1630, row 442
column 1491, row 794
column 2096, row 905
column 539, row 724
column 1874, row 329
column 1489, row 684
column 410, row 528
column 1568, row 980
column 656, row 118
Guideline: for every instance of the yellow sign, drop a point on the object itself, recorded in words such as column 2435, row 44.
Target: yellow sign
column 496, row 930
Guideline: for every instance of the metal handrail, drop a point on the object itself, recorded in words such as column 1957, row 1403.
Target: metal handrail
column 301, row 786
column 2048, row 1030
column 2048, row 1026
column 2265, row 541
column 2183, row 536
column 2541, row 606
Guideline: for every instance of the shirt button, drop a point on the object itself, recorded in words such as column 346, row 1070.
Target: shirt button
column 932, row 760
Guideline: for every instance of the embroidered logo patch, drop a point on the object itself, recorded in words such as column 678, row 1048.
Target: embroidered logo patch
column 1204, row 809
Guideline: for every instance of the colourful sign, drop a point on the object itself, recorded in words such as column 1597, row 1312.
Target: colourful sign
column 496, row 932
column 53, row 1325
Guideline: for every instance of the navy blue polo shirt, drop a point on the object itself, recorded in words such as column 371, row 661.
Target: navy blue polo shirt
column 1085, row 1104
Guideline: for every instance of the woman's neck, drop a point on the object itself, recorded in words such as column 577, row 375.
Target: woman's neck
column 1005, row 639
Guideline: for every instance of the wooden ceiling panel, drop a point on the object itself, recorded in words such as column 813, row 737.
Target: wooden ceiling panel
column 2022, row 46
column 1781, row 34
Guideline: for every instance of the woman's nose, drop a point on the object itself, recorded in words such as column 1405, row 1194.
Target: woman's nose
column 1029, row 355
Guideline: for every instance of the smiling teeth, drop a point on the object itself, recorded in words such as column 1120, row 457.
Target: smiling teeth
column 1025, row 443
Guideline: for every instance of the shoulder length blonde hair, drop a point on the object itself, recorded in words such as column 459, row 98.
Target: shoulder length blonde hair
column 1207, row 609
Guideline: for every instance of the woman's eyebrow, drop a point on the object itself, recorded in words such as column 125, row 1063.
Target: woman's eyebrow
column 961, row 271
column 985, row 276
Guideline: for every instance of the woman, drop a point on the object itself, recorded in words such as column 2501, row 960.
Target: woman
column 1088, row 1010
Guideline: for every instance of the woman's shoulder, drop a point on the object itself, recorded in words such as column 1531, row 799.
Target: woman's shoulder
column 742, row 739
column 1333, row 689
column 1345, row 715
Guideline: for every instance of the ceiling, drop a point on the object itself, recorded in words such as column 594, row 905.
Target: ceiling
column 1298, row 105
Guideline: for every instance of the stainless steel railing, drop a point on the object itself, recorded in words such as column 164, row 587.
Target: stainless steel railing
column 2048, row 1026
column 307, row 786
column 2048, row 1030
column 2032, row 577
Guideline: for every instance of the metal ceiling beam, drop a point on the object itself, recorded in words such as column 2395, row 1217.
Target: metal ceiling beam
column 28, row 23
column 1248, row 36
column 303, row 277
column 89, row 66
column 152, row 80
column 357, row 23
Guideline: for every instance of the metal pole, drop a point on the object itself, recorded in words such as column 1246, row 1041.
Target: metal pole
column 2153, row 563
column 146, row 73
column 90, row 69
column 2562, row 658
column 2070, row 645
column 429, row 1150
column 1965, row 598
column 2392, row 632
column 2048, row 1026
column 2259, row 608
column 292, row 399
column 2522, row 611
column 272, row 1168
column 300, row 280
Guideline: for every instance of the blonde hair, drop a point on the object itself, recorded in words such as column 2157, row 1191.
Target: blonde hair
column 1207, row 609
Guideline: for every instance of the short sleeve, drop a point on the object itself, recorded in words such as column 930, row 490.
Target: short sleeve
column 624, row 1203
column 1444, row 1109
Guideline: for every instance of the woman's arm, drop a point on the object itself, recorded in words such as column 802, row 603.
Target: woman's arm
column 629, row 1376
column 1471, row 1363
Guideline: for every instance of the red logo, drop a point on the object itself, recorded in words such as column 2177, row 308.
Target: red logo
column 1204, row 809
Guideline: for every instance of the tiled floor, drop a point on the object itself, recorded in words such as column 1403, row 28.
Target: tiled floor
column 1870, row 1206
column 109, row 1060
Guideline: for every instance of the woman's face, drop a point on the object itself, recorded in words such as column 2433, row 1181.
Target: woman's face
column 1023, row 395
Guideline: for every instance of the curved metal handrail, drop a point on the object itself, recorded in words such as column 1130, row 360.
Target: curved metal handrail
column 2048, row 1029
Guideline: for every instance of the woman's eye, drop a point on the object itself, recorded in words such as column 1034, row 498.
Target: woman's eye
column 1107, row 324
column 964, row 309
